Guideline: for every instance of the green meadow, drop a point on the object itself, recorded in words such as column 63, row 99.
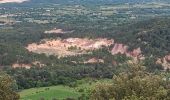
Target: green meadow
column 49, row 93
column 61, row 92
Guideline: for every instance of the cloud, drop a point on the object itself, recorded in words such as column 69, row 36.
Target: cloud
column 12, row 1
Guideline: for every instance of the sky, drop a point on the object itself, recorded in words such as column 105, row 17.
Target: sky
column 12, row 1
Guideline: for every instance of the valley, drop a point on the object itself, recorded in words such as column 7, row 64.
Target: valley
column 85, row 49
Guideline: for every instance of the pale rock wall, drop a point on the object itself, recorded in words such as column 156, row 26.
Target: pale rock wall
column 61, row 47
column 123, row 49
column 165, row 62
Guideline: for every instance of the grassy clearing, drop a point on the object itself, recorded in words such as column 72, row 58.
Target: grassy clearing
column 49, row 93
column 61, row 92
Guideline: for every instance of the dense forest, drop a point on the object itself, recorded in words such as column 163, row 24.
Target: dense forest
column 12, row 51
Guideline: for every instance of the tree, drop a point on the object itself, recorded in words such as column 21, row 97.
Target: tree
column 135, row 84
column 6, row 91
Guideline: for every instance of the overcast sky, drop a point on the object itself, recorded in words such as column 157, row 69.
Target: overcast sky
column 10, row 1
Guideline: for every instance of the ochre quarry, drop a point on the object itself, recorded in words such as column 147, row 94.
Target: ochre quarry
column 123, row 49
column 69, row 47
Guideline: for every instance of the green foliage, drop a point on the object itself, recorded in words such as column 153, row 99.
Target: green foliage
column 151, row 66
column 6, row 91
column 135, row 84
column 60, row 92
column 151, row 35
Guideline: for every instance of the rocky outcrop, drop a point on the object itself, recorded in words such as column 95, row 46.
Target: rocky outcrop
column 94, row 60
column 167, row 58
column 119, row 48
column 17, row 65
column 78, row 46
column 165, row 62
column 28, row 66
column 37, row 63
column 123, row 49
column 69, row 47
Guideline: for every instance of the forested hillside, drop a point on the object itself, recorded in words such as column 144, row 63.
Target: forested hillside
column 153, row 36
column 72, row 45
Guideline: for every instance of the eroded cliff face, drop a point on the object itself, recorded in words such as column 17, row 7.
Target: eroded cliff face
column 12, row 1
column 123, row 49
column 28, row 66
column 76, row 46
column 69, row 46
column 165, row 62
column 119, row 48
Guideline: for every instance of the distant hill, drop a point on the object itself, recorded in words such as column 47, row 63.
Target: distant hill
column 97, row 2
